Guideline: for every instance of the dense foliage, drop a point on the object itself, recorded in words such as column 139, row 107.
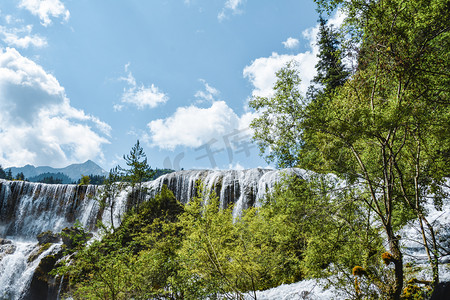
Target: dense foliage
column 386, row 127
column 163, row 249
column 5, row 174
column 51, row 178
column 382, row 129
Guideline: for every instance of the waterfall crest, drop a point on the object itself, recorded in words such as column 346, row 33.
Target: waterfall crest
column 243, row 189
column 27, row 209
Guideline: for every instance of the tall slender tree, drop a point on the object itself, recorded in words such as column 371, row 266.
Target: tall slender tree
column 138, row 172
column 331, row 71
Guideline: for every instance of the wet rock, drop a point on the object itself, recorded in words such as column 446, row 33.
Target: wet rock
column 48, row 237
column 5, row 241
column 74, row 236
column 39, row 286
column 6, row 249
column 43, row 285
column 38, row 251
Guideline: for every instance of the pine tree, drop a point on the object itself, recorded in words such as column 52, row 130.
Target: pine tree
column 138, row 172
column 2, row 173
column 20, row 176
column 331, row 72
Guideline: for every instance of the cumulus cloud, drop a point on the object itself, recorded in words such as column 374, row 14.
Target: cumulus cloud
column 140, row 95
column 193, row 126
column 22, row 37
column 37, row 123
column 291, row 43
column 230, row 6
column 45, row 9
column 261, row 72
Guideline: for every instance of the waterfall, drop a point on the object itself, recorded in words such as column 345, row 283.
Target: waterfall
column 16, row 271
column 243, row 188
column 27, row 209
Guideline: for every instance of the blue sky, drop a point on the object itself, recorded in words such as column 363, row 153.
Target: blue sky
column 84, row 79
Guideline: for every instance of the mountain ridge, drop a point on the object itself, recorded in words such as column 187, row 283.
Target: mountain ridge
column 74, row 171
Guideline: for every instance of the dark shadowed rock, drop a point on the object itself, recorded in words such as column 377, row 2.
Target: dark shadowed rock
column 48, row 237
column 74, row 236
column 5, row 241
column 43, row 285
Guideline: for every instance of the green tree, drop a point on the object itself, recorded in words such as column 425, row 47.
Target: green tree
column 232, row 257
column 9, row 174
column 84, row 180
column 326, row 225
column 138, row 172
column 110, row 190
column 20, row 176
column 136, row 261
column 331, row 72
column 278, row 127
column 2, row 173
column 388, row 126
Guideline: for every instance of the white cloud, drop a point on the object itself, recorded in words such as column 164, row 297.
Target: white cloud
column 45, row 9
column 37, row 123
column 230, row 6
column 193, row 126
column 141, row 96
column 12, row 37
column 208, row 94
column 118, row 107
column 261, row 72
column 144, row 96
column 9, row 19
column 291, row 43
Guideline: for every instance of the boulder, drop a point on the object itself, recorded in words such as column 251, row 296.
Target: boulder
column 48, row 237
column 43, row 285
column 6, row 249
column 5, row 241
column 72, row 237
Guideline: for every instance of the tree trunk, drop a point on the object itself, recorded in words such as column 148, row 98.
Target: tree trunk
column 394, row 247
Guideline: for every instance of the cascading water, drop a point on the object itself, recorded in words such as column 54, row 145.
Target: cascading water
column 27, row 209
column 242, row 188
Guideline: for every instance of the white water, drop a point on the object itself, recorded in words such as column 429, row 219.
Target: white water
column 16, row 272
column 27, row 209
column 241, row 188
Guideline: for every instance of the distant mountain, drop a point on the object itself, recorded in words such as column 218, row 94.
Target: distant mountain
column 73, row 171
